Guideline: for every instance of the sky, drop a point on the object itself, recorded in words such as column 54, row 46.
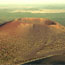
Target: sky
column 32, row 1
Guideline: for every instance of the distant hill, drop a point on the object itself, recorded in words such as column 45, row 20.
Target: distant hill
column 29, row 39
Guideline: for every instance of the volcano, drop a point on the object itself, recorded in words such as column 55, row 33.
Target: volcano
column 28, row 39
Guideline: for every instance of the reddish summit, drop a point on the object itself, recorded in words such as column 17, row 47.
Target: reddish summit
column 29, row 21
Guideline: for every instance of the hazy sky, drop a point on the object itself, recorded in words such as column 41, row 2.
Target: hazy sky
column 32, row 1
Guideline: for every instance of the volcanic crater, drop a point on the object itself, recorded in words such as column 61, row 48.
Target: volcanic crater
column 27, row 39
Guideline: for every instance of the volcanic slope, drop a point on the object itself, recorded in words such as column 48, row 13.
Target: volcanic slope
column 28, row 39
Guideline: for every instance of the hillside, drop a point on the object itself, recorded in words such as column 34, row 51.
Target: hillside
column 28, row 39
